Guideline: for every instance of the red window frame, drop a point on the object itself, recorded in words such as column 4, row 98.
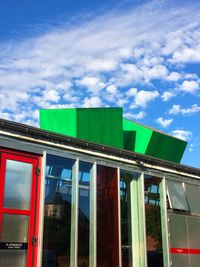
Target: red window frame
column 33, row 212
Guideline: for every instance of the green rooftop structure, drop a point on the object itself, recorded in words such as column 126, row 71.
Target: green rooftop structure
column 99, row 125
column 148, row 141
column 106, row 126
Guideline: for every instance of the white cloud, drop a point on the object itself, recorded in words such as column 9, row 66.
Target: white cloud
column 155, row 72
column 177, row 109
column 167, row 95
column 138, row 116
column 187, row 54
column 129, row 73
column 51, row 95
column 189, row 86
column 93, row 84
column 121, row 102
column 131, row 92
column 142, row 98
column 182, row 134
column 130, row 47
column 91, row 102
column 164, row 122
column 174, row 76
column 111, row 89
column 101, row 65
column 191, row 148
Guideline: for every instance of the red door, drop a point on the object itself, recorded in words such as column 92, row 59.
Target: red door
column 18, row 204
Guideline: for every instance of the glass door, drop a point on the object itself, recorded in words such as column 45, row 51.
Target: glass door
column 18, row 183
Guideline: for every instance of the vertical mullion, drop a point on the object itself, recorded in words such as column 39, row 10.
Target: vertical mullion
column 74, row 216
column 135, row 223
column 119, row 217
column 164, row 224
column 93, row 219
column 142, row 223
column 42, row 208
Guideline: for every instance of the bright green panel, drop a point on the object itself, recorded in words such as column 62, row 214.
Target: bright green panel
column 143, row 135
column 166, row 147
column 59, row 120
column 101, row 125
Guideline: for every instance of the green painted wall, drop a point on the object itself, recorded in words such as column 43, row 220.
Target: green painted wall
column 142, row 136
column 106, row 126
column 99, row 125
column 166, row 147
column 59, row 120
column 153, row 143
column 129, row 140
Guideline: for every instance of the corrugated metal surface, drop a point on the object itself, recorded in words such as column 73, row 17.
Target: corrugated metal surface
column 193, row 198
column 178, row 239
column 166, row 147
column 99, row 125
column 194, row 239
column 150, row 142
column 59, row 120
column 184, row 240
column 142, row 135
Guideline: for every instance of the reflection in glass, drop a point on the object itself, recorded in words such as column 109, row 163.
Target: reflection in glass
column 126, row 178
column 14, row 228
column 193, row 197
column 153, row 221
column 13, row 258
column 18, row 180
column 84, row 214
column 57, row 217
column 107, row 217
column 177, row 197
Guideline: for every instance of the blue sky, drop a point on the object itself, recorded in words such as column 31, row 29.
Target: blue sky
column 141, row 55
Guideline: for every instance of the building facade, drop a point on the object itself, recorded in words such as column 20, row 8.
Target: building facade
column 66, row 202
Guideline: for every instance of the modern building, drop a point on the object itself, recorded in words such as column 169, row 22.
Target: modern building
column 92, row 190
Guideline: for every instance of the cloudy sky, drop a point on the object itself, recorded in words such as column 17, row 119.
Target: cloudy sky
column 143, row 56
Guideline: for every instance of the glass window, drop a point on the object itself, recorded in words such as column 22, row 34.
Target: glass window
column 57, row 213
column 126, row 179
column 14, row 233
column 14, row 228
column 177, row 197
column 107, row 217
column 18, row 180
column 153, row 221
column 84, row 214
column 13, row 258
column 193, row 197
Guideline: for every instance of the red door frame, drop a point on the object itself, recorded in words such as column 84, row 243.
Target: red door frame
column 33, row 212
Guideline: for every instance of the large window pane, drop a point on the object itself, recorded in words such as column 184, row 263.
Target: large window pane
column 107, row 217
column 126, row 180
column 153, row 221
column 193, row 197
column 57, row 220
column 18, row 181
column 84, row 214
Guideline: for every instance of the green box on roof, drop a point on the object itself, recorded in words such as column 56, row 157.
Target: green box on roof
column 106, row 126
column 99, row 125
column 153, row 143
